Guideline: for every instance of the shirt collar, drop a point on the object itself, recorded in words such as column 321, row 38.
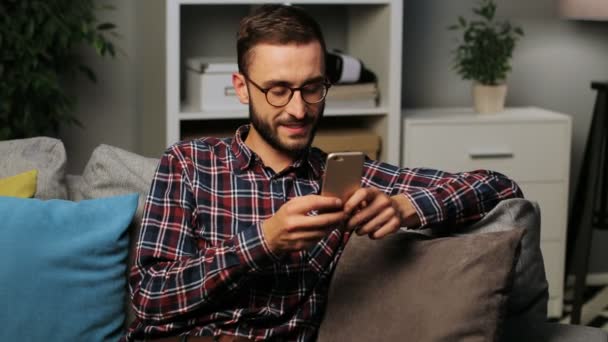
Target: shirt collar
column 244, row 157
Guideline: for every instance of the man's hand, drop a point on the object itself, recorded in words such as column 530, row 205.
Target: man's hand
column 376, row 214
column 292, row 229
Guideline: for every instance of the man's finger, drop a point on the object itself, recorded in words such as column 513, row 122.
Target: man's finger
column 389, row 228
column 357, row 200
column 321, row 221
column 362, row 217
column 309, row 203
column 379, row 220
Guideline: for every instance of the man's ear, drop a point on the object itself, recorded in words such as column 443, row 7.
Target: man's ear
column 240, row 86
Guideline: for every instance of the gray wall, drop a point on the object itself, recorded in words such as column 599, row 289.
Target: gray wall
column 552, row 67
column 128, row 98
column 107, row 108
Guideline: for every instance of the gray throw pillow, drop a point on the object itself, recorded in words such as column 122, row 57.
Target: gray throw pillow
column 113, row 171
column 408, row 287
column 47, row 155
column 530, row 293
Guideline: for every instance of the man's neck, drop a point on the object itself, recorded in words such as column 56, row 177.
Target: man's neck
column 273, row 158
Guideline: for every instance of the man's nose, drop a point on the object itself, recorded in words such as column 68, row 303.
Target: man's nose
column 296, row 107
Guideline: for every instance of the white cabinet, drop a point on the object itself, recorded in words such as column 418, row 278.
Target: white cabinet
column 370, row 30
column 530, row 145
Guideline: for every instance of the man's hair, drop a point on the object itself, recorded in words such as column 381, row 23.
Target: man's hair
column 277, row 25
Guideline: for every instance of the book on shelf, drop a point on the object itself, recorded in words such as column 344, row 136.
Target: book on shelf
column 356, row 95
column 353, row 90
column 351, row 103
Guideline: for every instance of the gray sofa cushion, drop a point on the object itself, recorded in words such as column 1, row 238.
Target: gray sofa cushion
column 529, row 296
column 47, row 155
column 409, row 287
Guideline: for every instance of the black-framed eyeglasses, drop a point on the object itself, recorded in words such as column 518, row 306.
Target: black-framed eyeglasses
column 280, row 95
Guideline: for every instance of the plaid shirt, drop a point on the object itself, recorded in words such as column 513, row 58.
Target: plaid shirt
column 203, row 266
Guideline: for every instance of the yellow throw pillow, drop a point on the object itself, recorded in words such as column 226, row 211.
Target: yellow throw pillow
column 22, row 185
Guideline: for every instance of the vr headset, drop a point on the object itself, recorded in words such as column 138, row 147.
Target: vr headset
column 343, row 68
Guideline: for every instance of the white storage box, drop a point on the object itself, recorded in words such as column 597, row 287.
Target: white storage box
column 209, row 84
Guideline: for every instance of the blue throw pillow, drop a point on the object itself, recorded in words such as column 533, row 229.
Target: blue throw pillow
column 62, row 268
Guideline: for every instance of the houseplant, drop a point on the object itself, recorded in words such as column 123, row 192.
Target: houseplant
column 484, row 55
column 38, row 44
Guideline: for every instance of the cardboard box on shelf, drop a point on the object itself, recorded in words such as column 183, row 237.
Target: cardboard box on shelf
column 209, row 85
column 349, row 140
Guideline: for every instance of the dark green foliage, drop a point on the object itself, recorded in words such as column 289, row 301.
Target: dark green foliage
column 37, row 48
column 486, row 48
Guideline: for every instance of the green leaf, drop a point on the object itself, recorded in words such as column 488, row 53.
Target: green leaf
column 491, row 10
column 84, row 28
column 106, row 26
column 462, row 21
column 111, row 50
column 99, row 46
column 88, row 73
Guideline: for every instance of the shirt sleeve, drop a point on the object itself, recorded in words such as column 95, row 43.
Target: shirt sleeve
column 176, row 272
column 441, row 197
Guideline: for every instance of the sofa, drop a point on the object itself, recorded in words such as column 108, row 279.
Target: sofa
column 66, row 254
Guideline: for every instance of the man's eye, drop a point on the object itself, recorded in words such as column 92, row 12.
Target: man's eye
column 279, row 91
column 313, row 88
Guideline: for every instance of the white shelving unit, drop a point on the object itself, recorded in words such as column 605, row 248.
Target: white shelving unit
column 371, row 30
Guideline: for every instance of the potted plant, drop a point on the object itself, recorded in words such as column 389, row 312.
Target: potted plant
column 38, row 41
column 484, row 55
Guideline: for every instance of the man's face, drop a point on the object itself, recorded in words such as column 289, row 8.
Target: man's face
column 288, row 129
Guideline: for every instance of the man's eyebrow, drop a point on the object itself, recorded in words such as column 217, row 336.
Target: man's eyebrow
column 272, row 82
column 319, row 78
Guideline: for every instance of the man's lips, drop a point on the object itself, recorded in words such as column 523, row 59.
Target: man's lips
column 296, row 129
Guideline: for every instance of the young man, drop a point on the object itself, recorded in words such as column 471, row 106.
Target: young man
column 229, row 243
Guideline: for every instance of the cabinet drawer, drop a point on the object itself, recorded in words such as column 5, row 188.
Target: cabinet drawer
column 522, row 151
column 553, row 201
column 553, row 257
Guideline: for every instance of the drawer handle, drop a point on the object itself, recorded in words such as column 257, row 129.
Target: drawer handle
column 479, row 154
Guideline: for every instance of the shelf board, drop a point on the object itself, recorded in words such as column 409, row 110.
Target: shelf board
column 307, row 2
column 468, row 114
column 376, row 111
column 187, row 114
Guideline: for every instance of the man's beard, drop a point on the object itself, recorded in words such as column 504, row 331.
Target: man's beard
column 269, row 133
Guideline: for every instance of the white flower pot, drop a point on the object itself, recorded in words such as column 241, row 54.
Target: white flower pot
column 489, row 99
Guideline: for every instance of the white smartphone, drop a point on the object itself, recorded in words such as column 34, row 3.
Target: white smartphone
column 342, row 176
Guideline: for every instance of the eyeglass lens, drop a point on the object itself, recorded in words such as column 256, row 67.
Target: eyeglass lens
column 311, row 93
